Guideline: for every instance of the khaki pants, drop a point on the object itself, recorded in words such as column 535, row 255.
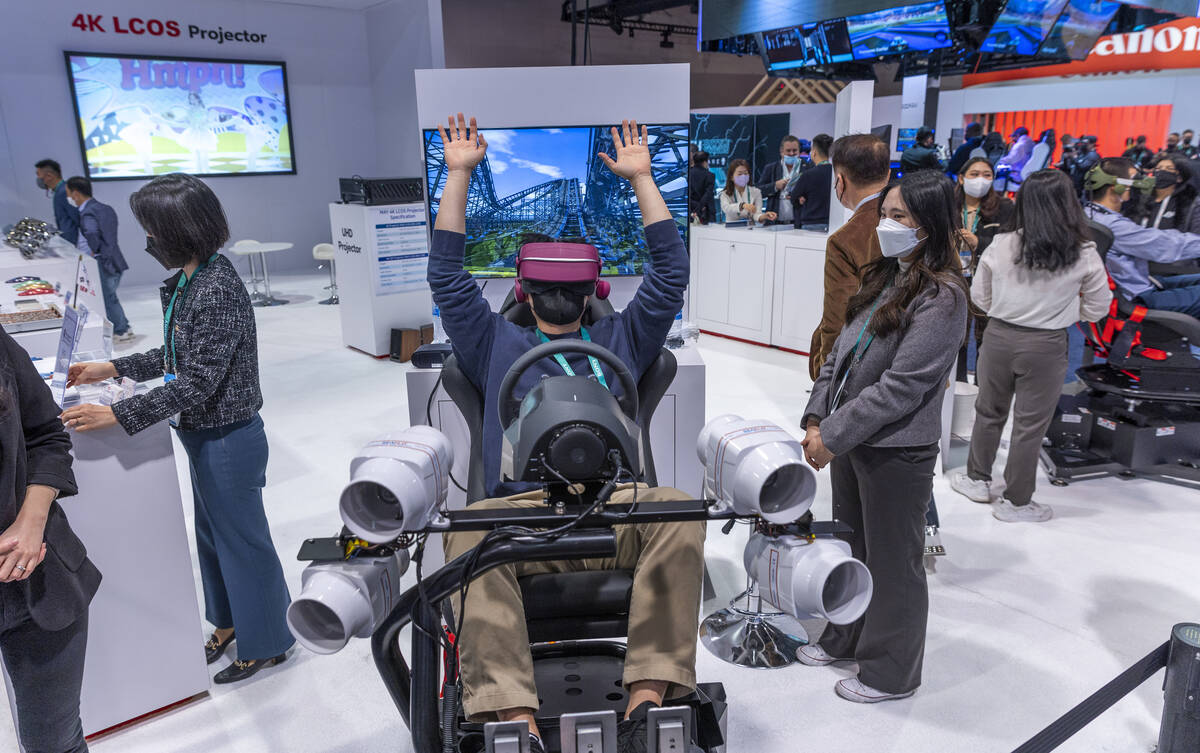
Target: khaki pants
column 667, row 560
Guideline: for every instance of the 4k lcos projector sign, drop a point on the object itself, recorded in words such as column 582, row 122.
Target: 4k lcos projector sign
column 156, row 27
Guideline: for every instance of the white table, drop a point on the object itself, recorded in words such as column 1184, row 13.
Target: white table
column 58, row 264
column 252, row 250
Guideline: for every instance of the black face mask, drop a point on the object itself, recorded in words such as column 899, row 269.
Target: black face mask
column 1165, row 179
column 42, row 185
column 558, row 306
column 159, row 255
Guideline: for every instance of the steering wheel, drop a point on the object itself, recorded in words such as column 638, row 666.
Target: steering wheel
column 510, row 406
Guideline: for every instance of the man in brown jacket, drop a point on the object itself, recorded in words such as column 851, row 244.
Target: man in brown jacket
column 861, row 171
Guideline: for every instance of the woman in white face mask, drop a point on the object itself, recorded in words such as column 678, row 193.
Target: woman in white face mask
column 875, row 414
column 984, row 213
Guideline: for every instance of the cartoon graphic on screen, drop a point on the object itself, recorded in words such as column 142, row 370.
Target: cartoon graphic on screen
column 140, row 117
column 550, row 181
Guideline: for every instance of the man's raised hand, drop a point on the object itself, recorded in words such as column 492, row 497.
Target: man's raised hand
column 462, row 145
column 633, row 152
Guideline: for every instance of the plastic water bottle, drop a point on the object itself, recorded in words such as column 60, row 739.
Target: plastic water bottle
column 439, row 334
column 675, row 336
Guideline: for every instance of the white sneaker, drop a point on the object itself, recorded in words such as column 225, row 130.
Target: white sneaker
column 1006, row 511
column 125, row 337
column 852, row 689
column 976, row 491
column 813, row 655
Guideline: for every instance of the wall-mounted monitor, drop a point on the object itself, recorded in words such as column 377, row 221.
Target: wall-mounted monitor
column 1022, row 26
column 908, row 28
column 821, row 43
column 1077, row 29
column 139, row 116
column 550, row 181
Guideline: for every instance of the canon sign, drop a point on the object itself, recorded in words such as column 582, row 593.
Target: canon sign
column 1157, row 39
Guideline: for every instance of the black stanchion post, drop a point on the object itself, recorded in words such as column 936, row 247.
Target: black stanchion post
column 1180, row 731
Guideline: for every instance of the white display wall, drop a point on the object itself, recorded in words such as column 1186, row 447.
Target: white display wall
column 557, row 96
column 350, row 88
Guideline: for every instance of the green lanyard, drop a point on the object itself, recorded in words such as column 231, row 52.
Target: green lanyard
column 974, row 225
column 856, row 356
column 566, row 367
column 170, row 362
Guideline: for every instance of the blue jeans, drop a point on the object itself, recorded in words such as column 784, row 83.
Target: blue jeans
column 1180, row 293
column 243, row 581
column 46, row 669
column 112, row 306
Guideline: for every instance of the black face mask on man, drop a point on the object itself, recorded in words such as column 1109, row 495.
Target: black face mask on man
column 42, row 184
column 558, row 305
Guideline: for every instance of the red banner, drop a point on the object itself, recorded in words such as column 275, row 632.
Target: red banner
column 1175, row 44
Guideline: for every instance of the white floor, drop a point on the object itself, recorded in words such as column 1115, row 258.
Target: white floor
column 1025, row 620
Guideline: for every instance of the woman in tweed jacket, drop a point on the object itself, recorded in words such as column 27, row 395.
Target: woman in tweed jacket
column 211, row 396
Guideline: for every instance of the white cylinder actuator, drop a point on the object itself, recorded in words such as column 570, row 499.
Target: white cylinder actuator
column 342, row 600
column 754, row 467
column 398, row 483
column 809, row 578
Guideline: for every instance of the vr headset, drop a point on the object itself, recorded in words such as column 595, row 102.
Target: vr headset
column 1097, row 179
column 574, row 266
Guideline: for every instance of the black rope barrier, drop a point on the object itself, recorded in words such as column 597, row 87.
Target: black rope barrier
column 1097, row 703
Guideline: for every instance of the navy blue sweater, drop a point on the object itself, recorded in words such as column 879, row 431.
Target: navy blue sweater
column 486, row 344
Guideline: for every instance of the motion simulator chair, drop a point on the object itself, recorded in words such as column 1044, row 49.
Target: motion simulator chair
column 568, row 613
column 1140, row 414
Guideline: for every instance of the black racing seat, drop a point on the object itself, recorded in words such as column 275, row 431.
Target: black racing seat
column 1148, row 352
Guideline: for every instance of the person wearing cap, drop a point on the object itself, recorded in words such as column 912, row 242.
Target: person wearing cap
column 667, row 558
column 1018, row 153
column 1111, row 184
column 922, row 155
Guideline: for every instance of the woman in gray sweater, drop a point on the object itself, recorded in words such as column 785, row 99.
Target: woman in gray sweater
column 875, row 414
column 1033, row 283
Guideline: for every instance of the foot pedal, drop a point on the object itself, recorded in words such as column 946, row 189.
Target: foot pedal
column 933, row 542
column 669, row 729
column 506, row 737
column 591, row 732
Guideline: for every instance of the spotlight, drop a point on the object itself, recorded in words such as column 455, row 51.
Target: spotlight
column 755, row 468
column 808, row 578
column 397, row 484
column 341, row 600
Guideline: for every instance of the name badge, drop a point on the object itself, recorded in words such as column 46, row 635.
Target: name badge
column 173, row 421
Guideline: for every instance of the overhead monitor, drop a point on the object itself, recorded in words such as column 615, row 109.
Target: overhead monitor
column 550, row 181
column 721, row 19
column 1022, row 26
column 909, row 28
column 811, row 44
column 144, row 115
column 1077, row 29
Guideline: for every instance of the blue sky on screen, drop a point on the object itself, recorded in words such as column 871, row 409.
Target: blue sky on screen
column 525, row 157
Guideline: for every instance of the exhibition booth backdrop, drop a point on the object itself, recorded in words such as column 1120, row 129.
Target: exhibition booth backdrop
column 350, row 89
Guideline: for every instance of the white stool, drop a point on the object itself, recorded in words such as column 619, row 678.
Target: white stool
column 243, row 248
column 251, row 248
column 326, row 252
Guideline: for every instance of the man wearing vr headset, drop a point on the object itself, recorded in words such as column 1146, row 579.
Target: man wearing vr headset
column 667, row 559
column 1112, row 183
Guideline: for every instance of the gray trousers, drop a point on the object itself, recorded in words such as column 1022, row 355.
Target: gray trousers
column 883, row 494
column 1030, row 365
column 46, row 669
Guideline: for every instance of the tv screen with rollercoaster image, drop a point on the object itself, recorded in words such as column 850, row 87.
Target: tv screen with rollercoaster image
column 139, row 116
column 550, row 181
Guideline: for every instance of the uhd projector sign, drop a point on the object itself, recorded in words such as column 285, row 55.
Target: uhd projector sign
column 1175, row 44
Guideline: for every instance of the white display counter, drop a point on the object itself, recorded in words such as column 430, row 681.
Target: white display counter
column 382, row 253
column 58, row 264
column 677, row 422
column 760, row 285
column 145, row 635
